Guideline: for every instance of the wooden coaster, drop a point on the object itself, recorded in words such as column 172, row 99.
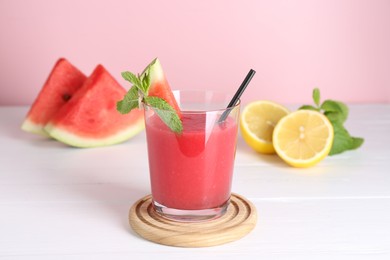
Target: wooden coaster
column 239, row 219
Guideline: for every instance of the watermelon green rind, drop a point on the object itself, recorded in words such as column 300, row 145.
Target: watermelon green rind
column 74, row 140
column 33, row 127
column 156, row 71
column 90, row 118
column 159, row 86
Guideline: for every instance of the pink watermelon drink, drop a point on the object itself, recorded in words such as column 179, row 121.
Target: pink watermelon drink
column 191, row 172
column 191, row 146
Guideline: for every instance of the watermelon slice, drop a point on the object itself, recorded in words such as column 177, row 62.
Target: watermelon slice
column 63, row 81
column 159, row 86
column 90, row 118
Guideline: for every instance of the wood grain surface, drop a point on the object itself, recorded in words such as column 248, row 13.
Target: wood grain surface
column 239, row 219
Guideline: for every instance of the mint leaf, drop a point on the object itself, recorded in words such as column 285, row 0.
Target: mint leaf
column 309, row 107
column 145, row 79
column 334, row 117
column 316, row 96
column 129, row 102
column 342, row 140
column 135, row 80
column 337, row 113
column 356, row 142
column 337, row 107
column 166, row 112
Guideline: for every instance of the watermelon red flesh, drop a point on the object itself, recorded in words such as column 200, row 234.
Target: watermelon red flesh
column 159, row 86
column 63, row 81
column 90, row 118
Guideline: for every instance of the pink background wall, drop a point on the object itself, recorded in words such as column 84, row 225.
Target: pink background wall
column 340, row 46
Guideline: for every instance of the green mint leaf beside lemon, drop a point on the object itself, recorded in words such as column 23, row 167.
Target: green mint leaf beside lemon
column 337, row 113
column 316, row 97
column 138, row 95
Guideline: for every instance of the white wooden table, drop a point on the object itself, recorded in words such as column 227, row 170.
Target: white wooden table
column 58, row 202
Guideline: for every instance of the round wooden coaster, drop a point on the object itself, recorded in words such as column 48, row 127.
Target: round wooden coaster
column 239, row 219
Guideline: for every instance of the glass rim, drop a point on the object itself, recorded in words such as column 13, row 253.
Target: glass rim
column 203, row 111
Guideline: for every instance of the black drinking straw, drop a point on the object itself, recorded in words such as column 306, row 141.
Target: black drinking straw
column 238, row 94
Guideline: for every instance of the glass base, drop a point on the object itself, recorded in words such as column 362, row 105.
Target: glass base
column 190, row 215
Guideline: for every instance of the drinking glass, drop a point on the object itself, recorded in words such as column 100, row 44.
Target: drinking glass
column 191, row 172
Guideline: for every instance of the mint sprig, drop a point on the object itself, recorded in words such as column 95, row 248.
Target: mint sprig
column 138, row 95
column 337, row 113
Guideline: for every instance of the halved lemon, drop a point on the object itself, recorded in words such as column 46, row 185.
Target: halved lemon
column 257, row 123
column 303, row 138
